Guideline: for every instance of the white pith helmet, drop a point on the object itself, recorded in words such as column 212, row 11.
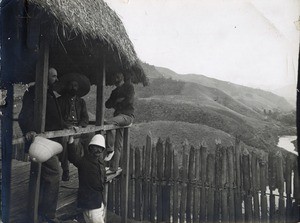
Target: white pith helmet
column 98, row 140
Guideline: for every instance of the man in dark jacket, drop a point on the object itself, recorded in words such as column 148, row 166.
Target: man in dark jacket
column 73, row 86
column 121, row 99
column 50, row 169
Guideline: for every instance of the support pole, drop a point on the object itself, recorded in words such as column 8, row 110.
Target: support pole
column 41, row 84
column 100, row 107
column 125, row 174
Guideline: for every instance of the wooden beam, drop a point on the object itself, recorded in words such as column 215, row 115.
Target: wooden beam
column 100, row 107
column 125, row 174
column 69, row 132
column 41, row 87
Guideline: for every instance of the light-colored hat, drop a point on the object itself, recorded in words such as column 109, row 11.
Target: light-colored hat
column 42, row 149
column 98, row 140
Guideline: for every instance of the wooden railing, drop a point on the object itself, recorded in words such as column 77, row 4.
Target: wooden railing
column 221, row 184
column 19, row 154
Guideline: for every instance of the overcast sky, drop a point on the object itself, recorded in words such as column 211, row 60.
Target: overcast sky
column 252, row 43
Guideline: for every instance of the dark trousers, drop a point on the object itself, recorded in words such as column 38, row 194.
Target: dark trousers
column 49, row 188
column 116, row 143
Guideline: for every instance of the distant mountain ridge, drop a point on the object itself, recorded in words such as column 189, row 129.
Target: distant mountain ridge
column 256, row 99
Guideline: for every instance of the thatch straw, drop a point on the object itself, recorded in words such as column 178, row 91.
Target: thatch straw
column 93, row 19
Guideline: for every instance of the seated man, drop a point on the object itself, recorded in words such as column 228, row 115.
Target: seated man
column 121, row 99
column 74, row 112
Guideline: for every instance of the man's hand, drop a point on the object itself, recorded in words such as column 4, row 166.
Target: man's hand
column 119, row 100
column 76, row 128
column 30, row 136
column 70, row 140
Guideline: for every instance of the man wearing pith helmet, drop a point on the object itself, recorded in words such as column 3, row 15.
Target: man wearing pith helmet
column 91, row 173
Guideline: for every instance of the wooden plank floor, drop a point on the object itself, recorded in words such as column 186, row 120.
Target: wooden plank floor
column 66, row 206
column 19, row 191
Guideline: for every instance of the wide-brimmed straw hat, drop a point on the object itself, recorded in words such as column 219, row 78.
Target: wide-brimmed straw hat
column 42, row 149
column 84, row 84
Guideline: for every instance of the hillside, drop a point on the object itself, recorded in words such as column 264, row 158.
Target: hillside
column 257, row 99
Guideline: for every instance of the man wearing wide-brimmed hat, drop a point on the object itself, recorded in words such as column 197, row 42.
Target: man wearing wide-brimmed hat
column 72, row 87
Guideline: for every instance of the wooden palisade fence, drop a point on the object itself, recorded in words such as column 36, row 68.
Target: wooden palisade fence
column 226, row 184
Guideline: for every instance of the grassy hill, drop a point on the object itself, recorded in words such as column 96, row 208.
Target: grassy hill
column 257, row 99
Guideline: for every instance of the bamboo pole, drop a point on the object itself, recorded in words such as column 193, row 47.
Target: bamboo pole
column 146, row 181
column 247, row 185
column 41, row 87
column 280, row 184
column 203, row 163
column 175, row 187
column 255, row 186
column 211, row 187
column 153, row 185
column 231, row 184
column 224, row 182
column 238, row 182
column 184, row 178
column 166, row 190
column 138, row 189
column 191, row 175
column 263, row 185
column 160, row 175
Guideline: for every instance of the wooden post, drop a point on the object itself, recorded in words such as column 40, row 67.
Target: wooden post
column 166, row 189
column 146, row 181
column 272, row 185
column 288, row 180
column 6, row 147
column 238, row 182
column 41, row 86
column 263, row 185
column 138, row 189
column 255, row 187
column 224, row 182
column 203, row 178
column 191, row 175
column 125, row 176
column 197, row 189
column 175, row 190
column 184, row 182
column 247, row 185
column 100, row 104
column 217, row 198
column 296, row 192
column 131, row 184
column 160, row 174
column 280, row 185
column 231, row 184
column 211, row 186
column 153, row 185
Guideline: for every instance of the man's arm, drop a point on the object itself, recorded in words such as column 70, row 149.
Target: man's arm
column 129, row 97
column 26, row 115
column 72, row 155
column 84, row 117
column 111, row 102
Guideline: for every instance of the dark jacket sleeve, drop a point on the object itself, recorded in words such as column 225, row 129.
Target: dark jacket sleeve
column 84, row 117
column 111, row 102
column 72, row 155
column 129, row 97
column 26, row 115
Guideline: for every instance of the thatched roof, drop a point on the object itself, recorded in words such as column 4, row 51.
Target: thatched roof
column 82, row 32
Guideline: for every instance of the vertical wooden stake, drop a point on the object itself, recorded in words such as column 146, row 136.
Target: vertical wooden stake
column 100, row 106
column 41, row 84
column 125, row 173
